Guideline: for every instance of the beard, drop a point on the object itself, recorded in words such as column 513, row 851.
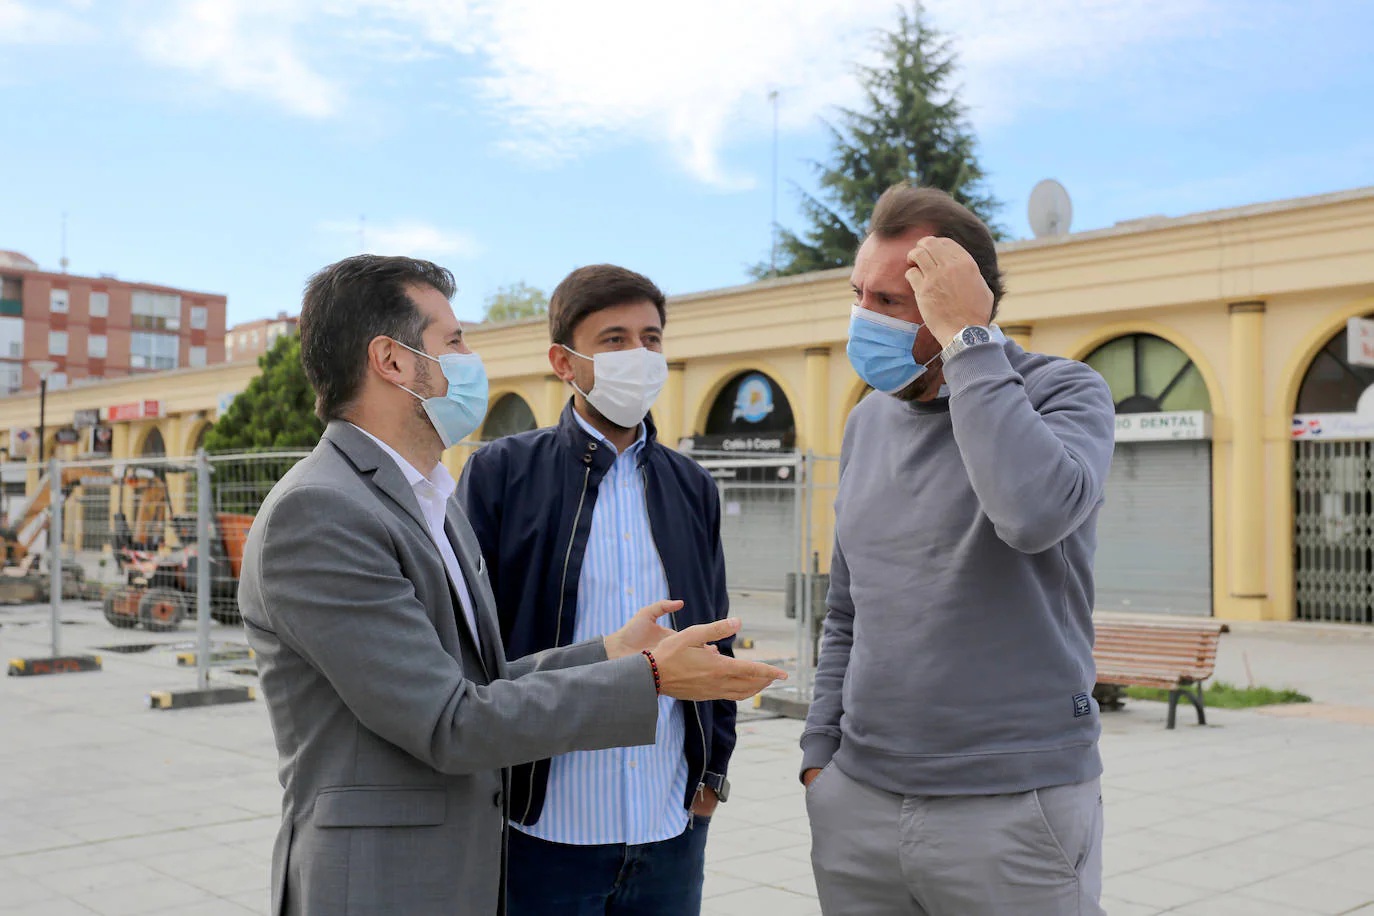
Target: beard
column 921, row 388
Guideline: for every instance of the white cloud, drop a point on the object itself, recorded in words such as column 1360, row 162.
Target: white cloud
column 30, row 23
column 242, row 45
column 689, row 78
column 407, row 237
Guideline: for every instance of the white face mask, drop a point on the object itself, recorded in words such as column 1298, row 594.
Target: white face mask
column 627, row 383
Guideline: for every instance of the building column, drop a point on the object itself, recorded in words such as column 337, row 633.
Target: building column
column 668, row 411
column 1019, row 333
column 815, row 417
column 1249, row 596
column 555, row 396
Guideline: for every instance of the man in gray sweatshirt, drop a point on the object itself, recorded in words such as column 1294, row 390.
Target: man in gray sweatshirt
column 950, row 756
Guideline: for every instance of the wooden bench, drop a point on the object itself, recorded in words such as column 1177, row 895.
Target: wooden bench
column 1177, row 657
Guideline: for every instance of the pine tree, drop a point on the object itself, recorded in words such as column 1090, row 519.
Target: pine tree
column 912, row 127
column 275, row 411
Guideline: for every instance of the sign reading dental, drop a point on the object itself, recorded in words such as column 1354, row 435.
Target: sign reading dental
column 1163, row 426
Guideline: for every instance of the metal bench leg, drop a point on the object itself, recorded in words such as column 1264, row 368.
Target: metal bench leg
column 1194, row 697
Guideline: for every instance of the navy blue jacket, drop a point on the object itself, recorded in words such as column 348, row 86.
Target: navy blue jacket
column 530, row 498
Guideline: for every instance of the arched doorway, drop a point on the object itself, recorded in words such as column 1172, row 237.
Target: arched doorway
column 508, row 416
column 154, row 446
column 1333, row 488
column 1154, row 532
column 749, row 446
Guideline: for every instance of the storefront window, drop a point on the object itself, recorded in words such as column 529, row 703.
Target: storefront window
column 508, row 416
column 1332, row 384
column 1148, row 374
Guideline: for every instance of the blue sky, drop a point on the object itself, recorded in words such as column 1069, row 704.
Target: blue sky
column 233, row 145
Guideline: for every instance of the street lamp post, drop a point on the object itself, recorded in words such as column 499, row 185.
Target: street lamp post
column 44, row 368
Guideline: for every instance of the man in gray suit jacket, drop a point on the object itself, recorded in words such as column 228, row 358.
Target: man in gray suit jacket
column 365, row 597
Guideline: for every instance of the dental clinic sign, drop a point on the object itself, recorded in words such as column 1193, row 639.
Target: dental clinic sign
column 1162, row 427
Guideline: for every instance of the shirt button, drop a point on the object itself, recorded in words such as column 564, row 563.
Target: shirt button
column 629, row 591
column 627, row 537
column 633, row 764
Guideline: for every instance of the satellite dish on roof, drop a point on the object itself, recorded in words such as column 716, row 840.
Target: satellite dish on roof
column 1050, row 209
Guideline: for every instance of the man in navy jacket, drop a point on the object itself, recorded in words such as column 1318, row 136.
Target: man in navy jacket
column 581, row 524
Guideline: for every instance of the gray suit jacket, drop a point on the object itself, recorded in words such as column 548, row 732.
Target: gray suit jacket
column 393, row 729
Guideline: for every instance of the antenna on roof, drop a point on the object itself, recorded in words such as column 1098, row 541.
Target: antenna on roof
column 773, row 259
column 1050, row 209
column 64, row 261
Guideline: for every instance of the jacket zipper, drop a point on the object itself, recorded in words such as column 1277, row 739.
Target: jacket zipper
column 696, row 711
column 562, row 591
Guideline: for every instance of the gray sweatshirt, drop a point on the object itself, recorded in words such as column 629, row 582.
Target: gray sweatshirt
column 956, row 657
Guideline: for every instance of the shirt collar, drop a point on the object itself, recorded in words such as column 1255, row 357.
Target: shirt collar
column 440, row 478
column 596, row 434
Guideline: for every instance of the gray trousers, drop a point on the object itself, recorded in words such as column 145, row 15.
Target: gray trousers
column 878, row 854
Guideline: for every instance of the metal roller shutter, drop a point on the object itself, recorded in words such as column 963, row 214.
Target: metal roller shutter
column 1154, row 533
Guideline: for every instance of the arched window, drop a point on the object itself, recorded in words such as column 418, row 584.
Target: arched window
column 1331, row 384
column 1148, row 374
column 154, row 446
column 751, row 402
column 508, row 416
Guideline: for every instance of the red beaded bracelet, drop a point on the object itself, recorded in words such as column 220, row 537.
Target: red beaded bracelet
column 653, row 666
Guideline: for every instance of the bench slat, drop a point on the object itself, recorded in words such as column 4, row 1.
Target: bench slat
column 1163, row 655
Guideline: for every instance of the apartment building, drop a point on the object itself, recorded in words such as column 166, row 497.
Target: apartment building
column 252, row 339
column 96, row 328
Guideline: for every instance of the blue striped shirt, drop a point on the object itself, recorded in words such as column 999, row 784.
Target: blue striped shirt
column 632, row 794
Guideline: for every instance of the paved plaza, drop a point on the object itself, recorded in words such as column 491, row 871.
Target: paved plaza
column 108, row 807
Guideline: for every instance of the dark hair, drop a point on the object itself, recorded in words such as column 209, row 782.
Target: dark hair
column 349, row 304
column 588, row 290
column 903, row 208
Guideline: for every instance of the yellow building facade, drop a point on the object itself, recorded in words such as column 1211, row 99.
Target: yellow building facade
column 1220, row 323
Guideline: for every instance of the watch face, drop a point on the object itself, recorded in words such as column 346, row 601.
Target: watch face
column 975, row 336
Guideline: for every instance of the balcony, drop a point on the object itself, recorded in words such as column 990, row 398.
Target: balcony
column 12, row 307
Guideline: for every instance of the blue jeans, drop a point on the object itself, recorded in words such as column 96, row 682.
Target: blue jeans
column 654, row 879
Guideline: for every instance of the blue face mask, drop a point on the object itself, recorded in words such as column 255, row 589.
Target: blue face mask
column 457, row 414
column 880, row 350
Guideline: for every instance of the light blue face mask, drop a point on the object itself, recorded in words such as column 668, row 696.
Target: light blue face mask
column 458, row 413
column 880, row 350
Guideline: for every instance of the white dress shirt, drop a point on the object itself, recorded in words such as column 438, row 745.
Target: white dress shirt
column 433, row 493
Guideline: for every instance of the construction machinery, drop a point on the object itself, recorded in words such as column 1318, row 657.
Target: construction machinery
column 23, row 545
column 161, row 590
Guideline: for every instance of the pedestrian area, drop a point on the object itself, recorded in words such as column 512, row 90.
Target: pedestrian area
column 109, row 807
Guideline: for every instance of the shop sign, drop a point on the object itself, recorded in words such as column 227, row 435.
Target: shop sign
column 21, row 442
column 753, row 400
column 728, row 443
column 1333, row 426
column 139, row 410
column 67, row 435
column 1162, row 427
column 1359, row 342
column 87, row 418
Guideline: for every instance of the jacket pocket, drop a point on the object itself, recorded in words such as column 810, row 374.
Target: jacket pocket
column 380, row 806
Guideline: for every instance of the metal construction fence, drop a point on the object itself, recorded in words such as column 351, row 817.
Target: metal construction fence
column 157, row 542
column 777, row 529
column 155, row 545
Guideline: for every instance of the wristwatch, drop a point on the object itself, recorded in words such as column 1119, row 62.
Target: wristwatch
column 718, row 784
column 970, row 336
